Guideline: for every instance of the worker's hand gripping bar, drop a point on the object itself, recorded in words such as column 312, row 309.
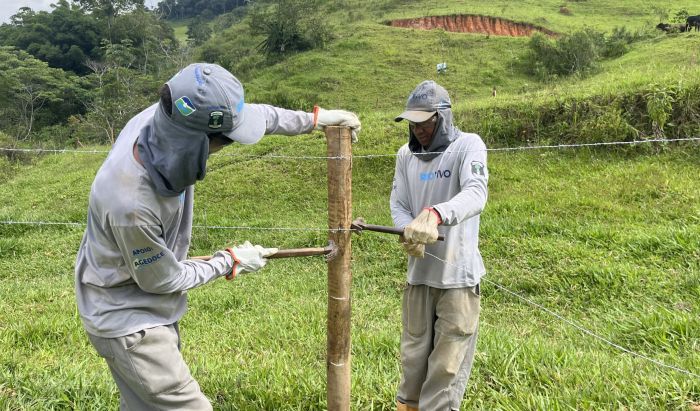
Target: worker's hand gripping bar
column 329, row 251
column 359, row 225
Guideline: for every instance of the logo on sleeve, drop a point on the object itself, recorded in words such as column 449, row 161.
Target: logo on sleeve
column 140, row 262
column 478, row 169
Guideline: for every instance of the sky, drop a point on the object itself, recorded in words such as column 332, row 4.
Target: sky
column 10, row 7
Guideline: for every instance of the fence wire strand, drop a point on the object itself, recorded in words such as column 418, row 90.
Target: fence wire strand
column 575, row 325
column 498, row 286
column 381, row 155
column 373, row 156
column 197, row 226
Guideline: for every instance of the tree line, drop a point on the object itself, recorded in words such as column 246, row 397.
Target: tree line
column 75, row 74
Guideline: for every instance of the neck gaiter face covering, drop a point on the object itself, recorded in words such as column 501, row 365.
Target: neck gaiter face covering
column 445, row 133
column 174, row 156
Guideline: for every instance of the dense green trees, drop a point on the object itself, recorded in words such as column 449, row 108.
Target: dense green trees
column 72, row 34
column 34, row 95
column 78, row 72
column 64, row 38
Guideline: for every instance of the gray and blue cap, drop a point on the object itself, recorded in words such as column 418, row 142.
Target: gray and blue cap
column 208, row 98
column 424, row 102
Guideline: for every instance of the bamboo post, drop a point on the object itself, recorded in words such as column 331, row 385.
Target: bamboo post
column 339, row 276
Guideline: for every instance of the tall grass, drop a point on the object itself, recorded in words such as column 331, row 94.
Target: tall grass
column 606, row 238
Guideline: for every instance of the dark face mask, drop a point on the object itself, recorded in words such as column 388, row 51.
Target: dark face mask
column 442, row 137
column 174, row 156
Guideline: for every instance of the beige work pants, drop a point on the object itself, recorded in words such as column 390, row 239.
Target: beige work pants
column 150, row 371
column 440, row 328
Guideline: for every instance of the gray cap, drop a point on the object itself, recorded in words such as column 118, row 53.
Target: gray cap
column 207, row 98
column 425, row 100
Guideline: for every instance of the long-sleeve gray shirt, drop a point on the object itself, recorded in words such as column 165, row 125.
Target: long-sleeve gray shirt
column 131, row 271
column 455, row 184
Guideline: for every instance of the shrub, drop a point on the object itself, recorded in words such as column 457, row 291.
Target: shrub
column 289, row 26
column 567, row 55
column 576, row 53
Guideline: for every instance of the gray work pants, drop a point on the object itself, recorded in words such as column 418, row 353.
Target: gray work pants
column 150, row 371
column 440, row 328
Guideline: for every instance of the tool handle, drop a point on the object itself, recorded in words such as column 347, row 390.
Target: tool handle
column 390, row 230
column 300, row 252
column 284, row 253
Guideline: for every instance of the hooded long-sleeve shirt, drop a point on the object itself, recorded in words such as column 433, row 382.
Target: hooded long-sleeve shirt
column 131, row 271
column 454, row 182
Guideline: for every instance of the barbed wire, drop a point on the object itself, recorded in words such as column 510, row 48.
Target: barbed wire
column 58, row 223
column 52, row 151
column 197, row 226
column 573, row 324
column 495, row 284
column 381, row 155
column 372, row 156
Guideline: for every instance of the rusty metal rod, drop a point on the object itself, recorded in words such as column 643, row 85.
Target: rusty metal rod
column 359, row 225
column 328, row 250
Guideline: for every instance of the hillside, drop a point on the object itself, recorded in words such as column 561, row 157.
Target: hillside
column 592, row 254
column 370, row 64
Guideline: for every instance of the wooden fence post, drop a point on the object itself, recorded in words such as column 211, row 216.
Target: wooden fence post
column 339, row 276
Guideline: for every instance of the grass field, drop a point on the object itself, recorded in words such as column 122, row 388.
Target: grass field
column 606, row 238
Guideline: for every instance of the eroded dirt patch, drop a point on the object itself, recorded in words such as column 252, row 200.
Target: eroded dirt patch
column 472, row 23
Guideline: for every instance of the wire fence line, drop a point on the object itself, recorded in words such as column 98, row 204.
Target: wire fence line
column 197, row 226
column 495, row 284
column 575, row 325
column 372, row 156
column 379, row 155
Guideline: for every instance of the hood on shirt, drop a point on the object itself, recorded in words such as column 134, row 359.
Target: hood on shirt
column 426, row 100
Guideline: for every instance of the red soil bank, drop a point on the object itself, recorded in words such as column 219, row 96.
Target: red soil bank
column 469, row 23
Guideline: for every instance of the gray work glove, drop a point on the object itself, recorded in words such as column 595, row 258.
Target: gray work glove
column 423, row 229
column 248, row 258
column 413, row 249
column 323, row 118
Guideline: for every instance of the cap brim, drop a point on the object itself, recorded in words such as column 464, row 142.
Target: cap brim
column 415, row 116
column 252, row 128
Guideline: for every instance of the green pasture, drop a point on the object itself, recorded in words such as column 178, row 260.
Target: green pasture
column 180, row 29
column 608, row 239
column 369, row 65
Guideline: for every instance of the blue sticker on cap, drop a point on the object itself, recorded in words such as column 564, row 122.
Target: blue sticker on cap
column 443, row 104
column 184, row 106
column 239, row 107
column 198, row 75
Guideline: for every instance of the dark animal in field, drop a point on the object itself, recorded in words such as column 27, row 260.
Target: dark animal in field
column 664, row 27
column 672, row 28
column 692, row 22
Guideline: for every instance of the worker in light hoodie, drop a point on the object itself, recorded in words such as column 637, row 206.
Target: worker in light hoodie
column 439, row 188
column 132, row 273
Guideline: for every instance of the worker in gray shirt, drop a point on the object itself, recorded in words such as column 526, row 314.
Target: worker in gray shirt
column 132, row 273
column 439, row 188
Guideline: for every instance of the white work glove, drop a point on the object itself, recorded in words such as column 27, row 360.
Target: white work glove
column 413, row 249
column 323, row 118
column 423, row 229
column 248, row 258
